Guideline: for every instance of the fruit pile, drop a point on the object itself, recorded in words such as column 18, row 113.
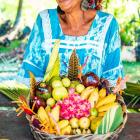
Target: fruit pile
column 72, row 104
column 67, row 107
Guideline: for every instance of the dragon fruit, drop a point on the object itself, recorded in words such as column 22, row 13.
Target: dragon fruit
column 74, row 106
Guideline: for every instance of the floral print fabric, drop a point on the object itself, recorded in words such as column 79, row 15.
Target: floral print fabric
column 100, row 47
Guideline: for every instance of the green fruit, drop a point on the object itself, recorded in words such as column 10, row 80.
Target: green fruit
column 56, row 83
column 74, row 84
column 80, row 88
column 51, row 102
column 74, row 123
column 59, row 93
column 54, row 78
column 94, row 112
column 84, row 123
column 43, row 94
column 66, row 82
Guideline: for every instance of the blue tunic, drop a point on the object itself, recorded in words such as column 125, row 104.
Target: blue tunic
column 101, row 45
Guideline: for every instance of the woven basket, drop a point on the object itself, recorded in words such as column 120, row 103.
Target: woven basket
column 38, row 135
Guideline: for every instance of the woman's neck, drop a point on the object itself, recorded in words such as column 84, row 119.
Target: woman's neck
column 74, row 19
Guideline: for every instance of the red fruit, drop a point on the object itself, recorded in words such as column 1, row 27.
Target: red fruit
column 38, row 103
column 36, row 123
column 90, row 79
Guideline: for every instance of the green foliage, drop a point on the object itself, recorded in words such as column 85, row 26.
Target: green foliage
column 111, row 121
column 53, row 67
column 127, row 14
column 14, row 44
column 13, row 90
column 132, row 69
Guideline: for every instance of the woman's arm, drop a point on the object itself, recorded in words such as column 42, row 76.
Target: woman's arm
column 112, row 64
column 34, row 57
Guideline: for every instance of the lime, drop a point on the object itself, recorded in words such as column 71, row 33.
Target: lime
column 54, row 78
column 66, row 82
column 56, row 83
column 80, row 88
column 94, row 112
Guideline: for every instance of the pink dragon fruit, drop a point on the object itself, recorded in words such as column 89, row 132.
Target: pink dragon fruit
column 74, row 106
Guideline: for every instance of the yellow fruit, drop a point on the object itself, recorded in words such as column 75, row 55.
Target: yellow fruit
column 66, row 130
column 55, row 113
column 42, row 115
column 48, row 109
column 63, row 123
column 91, row 118
column 95, row 123
column 107, row 107
column 93, row 98
column 78, row 131
column 84, row 131
column 86, row 92
column 84, row 123
column 74, row 122
column 108, row 99
column 102, row 93
column 101, row 114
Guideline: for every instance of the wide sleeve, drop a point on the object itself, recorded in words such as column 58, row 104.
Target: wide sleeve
column 112, row 64
column 34, row 57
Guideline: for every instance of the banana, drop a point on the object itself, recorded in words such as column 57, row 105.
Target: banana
column 102, row 93
column 93, row 98
column 63, row 124
column 42, row 115
column 101, row 114
column 86, row 92
column 107, row 107
column 66, row 130
column 108, row 99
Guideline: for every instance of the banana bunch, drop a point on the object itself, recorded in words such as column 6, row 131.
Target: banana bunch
column 105, row 102
column 99, row 99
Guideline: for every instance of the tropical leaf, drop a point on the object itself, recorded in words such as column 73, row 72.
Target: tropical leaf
column 13, row 90
column 111, row 121
column 52, row 61
column 73, row 66
column 133, row 89
column 32, row 84
column 55, row 71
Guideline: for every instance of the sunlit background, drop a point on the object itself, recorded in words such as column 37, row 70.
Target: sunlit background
column 22, row 14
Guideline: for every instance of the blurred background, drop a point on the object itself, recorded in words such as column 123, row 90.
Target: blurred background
column 16, row 21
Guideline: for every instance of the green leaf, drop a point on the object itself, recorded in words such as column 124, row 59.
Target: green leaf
column 54, row 64
column 111, row 121
column 55, row 71
column 13, row 90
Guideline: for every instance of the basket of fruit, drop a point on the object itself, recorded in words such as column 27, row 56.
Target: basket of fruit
column 73, row 106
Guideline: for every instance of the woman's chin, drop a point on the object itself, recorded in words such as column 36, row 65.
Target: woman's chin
column 65, row 5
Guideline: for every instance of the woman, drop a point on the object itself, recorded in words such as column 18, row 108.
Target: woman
column 78, row 24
